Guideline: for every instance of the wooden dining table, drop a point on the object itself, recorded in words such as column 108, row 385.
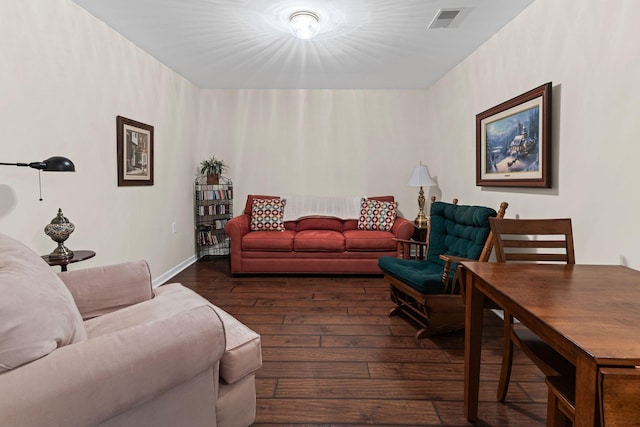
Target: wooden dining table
column 588, row 313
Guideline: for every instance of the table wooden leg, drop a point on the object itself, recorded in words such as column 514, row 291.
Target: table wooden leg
column 586, row 392
column 472, row 347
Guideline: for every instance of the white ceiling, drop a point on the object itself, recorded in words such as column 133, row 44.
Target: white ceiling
column 363, row 44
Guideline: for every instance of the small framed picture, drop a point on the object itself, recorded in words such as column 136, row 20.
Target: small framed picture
column 135, row 152
column 513, row 141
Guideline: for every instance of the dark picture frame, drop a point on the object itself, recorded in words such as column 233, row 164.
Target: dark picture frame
column 513, row 141
column 135, row 152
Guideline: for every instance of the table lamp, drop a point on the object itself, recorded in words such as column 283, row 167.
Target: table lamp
column 59, row 230
column 421, row 178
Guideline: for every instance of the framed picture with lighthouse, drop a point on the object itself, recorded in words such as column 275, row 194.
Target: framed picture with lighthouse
column 513, row 141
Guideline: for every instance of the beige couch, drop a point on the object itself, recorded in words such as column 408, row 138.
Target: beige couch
column 107, row 349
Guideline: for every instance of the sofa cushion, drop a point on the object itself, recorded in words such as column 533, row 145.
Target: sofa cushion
column 458, row 230
column 37, row 311
column 248, row 207
column 242, row 349
column 267, row 215
column 267, row 240
column 369, row 240
column 422, row 276
column 320, row 223
column 376, row 215
column 349, row 224
column 318, row 241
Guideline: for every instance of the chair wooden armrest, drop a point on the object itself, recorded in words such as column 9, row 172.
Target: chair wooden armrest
column 453, row 258
column 405, row 246
column 449, row 287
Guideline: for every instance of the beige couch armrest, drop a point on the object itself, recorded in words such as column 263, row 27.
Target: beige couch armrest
column 101, row 290
column 89, row 382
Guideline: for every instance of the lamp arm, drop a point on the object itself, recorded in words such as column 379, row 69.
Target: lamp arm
column 35, row 165
column 56, row 164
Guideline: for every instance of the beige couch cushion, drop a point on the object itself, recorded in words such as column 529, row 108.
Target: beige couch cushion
column 37, row 311
column 243, row 353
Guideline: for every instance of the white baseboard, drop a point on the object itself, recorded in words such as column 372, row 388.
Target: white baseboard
column 175, row 270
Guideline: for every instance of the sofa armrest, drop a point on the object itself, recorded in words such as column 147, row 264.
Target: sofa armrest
column 101, row 290
column 89, row 382
column 235, row 228
column 238, row 226
column 402, row 231
column 402, row 228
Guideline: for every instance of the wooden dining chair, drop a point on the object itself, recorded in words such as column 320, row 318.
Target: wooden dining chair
column 532, row 241
column 561, row 407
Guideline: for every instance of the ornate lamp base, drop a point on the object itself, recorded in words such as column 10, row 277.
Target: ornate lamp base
column 61, row 252
column 421, row 220
column 59, row 230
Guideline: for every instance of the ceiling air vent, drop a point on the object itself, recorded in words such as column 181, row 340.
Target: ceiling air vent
column 444, row 18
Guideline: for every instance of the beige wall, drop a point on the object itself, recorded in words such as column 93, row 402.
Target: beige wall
column 318, row 142
column 588, row 50
column 65, row 76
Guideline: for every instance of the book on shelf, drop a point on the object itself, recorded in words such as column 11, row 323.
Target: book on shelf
column 215, row 194
column 207, row 210
column 207, row 238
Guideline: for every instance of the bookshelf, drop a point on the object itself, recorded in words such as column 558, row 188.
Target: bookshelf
column 213, row 207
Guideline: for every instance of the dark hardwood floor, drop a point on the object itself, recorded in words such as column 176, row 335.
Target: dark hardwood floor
column 332, row 356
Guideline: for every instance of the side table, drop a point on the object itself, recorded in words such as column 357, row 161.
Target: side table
column 420, row 235
column 77, row 257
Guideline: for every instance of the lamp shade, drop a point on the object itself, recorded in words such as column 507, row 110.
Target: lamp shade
column 421, row 177
column 52, row 164
column 58, row 164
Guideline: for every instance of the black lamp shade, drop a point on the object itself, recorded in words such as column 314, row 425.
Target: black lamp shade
column 52, row 164
column 58, row 164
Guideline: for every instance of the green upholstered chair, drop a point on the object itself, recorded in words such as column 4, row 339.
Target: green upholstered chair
column 424, row 289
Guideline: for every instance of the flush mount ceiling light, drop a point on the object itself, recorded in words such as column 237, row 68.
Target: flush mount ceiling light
column 304, row 25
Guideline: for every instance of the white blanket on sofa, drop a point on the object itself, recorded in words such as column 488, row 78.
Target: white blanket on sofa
column 343, row 207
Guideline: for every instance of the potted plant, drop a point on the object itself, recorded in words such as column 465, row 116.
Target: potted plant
column 213, row 168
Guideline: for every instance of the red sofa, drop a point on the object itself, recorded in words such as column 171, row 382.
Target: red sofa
column 312, row 244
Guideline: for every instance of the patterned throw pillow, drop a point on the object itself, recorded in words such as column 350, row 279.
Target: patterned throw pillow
column 376, row 215
column 267, row 214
